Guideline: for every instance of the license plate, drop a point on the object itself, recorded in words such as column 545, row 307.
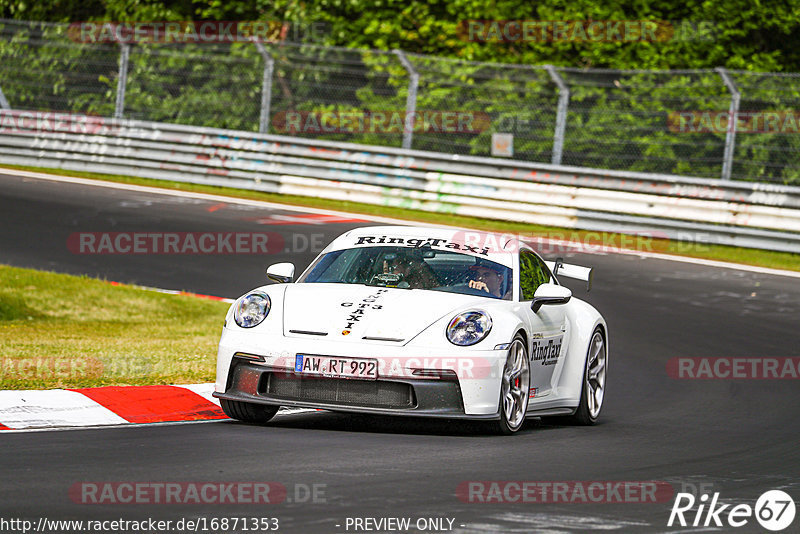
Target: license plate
column 336, row 367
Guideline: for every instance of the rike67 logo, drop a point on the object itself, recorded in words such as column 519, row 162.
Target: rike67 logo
column 774, row 510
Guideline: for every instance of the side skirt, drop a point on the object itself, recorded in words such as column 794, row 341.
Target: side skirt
column 550, row 407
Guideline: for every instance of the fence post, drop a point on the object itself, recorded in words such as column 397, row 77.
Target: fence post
column 266, row 88
column 411, row 98
column 3, row 101
column 122, row 80
column 561, row 114
column 733, row 112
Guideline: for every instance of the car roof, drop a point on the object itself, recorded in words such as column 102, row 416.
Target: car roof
column 487, row 245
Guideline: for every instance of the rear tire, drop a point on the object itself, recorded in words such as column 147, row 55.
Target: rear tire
column 515, row 388
column 248, row 412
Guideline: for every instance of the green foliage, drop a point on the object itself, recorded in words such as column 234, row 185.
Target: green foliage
column 195, row 84
column 738, row 34
column 40, row 68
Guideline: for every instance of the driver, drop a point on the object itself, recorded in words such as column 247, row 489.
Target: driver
column 486, row 278
column 415, row 272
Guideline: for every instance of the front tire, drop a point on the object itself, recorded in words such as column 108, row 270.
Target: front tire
column 515, row 388
column 594, row 382
column 248, row 412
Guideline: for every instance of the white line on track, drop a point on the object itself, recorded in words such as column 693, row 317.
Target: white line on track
column 387, row 220
column 283, row 412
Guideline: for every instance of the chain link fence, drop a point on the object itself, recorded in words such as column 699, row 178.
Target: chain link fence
column 673, row 122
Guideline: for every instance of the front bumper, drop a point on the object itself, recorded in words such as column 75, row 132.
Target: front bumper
column 473, row 390
column 254, row 383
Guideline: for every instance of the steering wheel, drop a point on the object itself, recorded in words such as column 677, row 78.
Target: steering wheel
column 464, row 289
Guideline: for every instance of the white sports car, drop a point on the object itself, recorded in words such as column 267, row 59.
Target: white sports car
column 417, row 321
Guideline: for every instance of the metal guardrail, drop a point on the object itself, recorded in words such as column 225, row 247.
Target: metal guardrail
column 715, row 123
column 744, row 214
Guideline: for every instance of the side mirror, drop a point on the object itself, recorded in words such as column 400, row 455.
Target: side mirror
column 282, row 273
column 550, row 294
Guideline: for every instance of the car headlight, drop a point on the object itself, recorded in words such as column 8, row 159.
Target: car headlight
column 468, row 328
column 251, row 309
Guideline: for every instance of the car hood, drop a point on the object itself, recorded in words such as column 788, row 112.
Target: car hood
column 357, row 313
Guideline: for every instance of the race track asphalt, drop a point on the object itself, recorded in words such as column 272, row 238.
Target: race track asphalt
column 736, row 437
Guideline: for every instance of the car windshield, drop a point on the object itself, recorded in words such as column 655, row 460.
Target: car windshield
column 413, row 268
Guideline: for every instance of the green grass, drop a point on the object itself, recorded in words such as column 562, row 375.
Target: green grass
column 762, row 258
column 59, row 331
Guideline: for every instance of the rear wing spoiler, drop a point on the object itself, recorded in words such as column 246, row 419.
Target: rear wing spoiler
column 559, row 268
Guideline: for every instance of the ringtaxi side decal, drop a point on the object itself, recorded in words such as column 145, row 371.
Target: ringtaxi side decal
column 366, row 304
column 417, row 243
column 546, row 351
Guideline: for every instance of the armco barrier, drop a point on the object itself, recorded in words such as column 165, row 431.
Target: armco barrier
column 745, row 214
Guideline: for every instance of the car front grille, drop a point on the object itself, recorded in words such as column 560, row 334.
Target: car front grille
column 369, row 393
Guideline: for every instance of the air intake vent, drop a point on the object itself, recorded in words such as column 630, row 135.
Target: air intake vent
column 370, row 393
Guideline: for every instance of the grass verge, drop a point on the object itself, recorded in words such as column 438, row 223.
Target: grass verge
column 60, row 331
column 761, row 258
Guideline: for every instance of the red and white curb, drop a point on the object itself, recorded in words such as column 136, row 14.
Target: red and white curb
column 111, row 405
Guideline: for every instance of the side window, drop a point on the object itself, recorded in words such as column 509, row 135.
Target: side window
column 532, row 273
